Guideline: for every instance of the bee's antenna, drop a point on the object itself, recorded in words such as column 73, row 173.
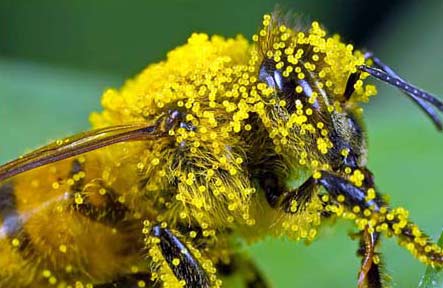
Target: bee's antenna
column 404, row 86
column 426, row 101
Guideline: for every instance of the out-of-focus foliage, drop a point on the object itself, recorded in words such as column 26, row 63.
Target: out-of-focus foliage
column 120, row 38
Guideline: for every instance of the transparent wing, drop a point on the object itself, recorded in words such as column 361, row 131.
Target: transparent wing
column 82, row 143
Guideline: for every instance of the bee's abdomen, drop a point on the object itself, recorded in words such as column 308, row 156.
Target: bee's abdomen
column 60, row 224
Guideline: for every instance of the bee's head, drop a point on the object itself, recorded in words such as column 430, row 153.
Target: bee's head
column 316, row 88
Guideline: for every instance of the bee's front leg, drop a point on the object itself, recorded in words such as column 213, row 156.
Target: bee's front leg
column 370, row 274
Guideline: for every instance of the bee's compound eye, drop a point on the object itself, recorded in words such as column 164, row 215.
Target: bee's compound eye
column 289, row 88
column 270, row 75
column 306, row 88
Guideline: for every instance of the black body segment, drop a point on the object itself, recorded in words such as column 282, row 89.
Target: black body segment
column 11, row 225
column 271, row 186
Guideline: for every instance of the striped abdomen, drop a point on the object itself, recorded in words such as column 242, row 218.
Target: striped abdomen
column 63, row 224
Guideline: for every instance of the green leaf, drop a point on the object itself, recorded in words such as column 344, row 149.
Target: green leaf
column 433, row 277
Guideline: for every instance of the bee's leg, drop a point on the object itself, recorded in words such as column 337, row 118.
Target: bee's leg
column 187, row 267
column 372, row 214
column 110, row 211
column 378, row 217
column 129, row 281
column 370, row 274
column 241, row 265
column 105, row 208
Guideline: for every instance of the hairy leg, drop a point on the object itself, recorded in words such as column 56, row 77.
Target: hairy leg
column 369, row 275
column 180, row 259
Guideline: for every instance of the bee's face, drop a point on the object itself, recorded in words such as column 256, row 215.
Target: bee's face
column 343, row 127
column 313, row 79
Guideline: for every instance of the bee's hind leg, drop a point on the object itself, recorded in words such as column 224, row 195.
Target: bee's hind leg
column 243, row 267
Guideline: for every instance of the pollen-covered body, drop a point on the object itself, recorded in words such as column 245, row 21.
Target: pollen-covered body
column 89, row 220
column 48, row 239
column 230, row 126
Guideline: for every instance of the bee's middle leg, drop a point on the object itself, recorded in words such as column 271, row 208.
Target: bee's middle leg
column 187, row 268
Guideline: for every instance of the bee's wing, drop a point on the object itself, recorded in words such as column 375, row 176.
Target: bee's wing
column 81, row 143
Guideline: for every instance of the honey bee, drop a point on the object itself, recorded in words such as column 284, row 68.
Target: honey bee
column 224, row 140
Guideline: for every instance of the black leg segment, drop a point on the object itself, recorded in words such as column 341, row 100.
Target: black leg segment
column 335, row 185
column 180, row 259
column 354, row 196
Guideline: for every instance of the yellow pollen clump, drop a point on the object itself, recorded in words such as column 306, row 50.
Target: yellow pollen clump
column 15, row 242
column 46, row 273
column 63, row 248
column 175, row 261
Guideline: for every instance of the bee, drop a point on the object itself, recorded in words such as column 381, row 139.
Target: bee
column 224, row 141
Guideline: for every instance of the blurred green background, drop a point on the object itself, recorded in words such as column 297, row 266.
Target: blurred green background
column 56, row 57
